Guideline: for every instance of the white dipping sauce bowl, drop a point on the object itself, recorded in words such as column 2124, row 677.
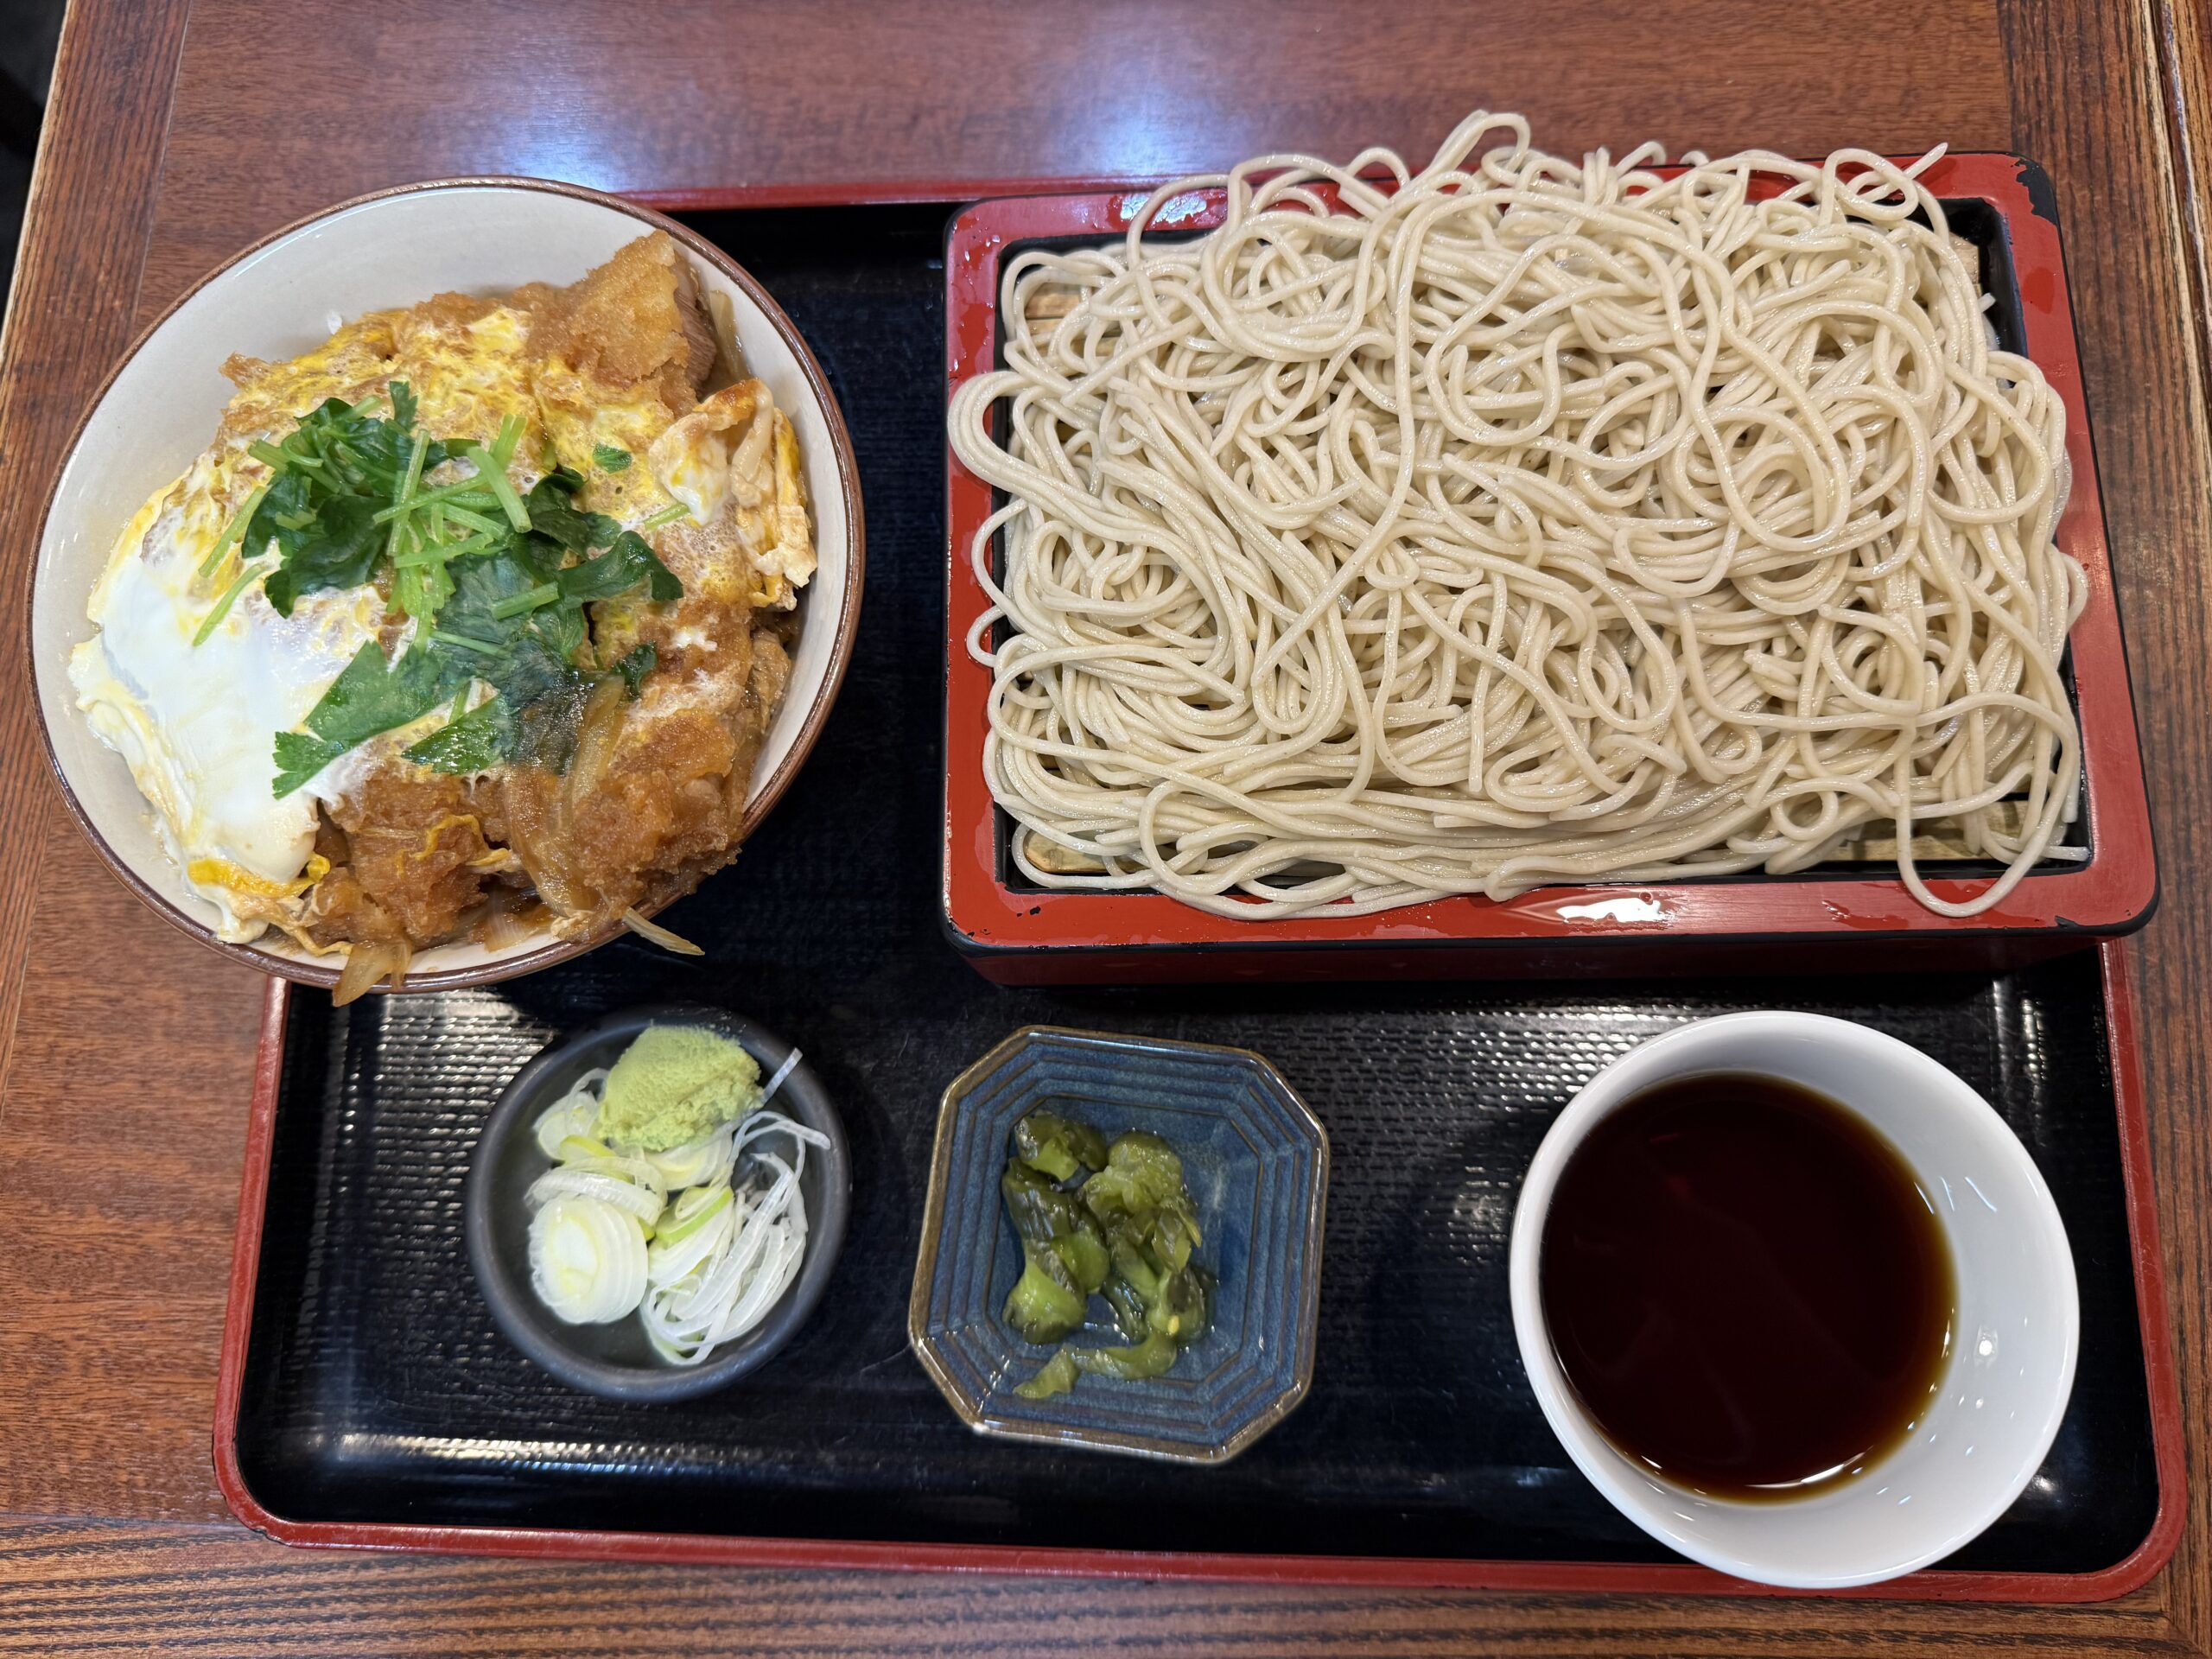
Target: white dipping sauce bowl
column 2014, row 1338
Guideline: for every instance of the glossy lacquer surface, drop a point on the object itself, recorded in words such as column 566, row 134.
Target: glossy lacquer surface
column 375, row 1390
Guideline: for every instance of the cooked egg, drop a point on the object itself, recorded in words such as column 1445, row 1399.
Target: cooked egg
column 734, row 463
column 467, row 376
column 196, row 724
column 581, row 419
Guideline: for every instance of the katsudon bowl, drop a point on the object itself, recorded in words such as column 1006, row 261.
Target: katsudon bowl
column 285, row 297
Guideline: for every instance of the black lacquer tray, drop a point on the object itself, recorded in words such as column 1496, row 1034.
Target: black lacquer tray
column 367, row 1398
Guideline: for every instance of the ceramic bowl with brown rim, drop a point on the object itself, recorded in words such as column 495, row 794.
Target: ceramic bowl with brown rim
column 284, row 296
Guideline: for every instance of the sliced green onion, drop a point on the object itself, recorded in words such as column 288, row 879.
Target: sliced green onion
column 516, row 604
column 467, row 642
column 252, row 573
column 573, row 1114
column 667, row 515
column 683, row 1229
column 587, row 1260
column 232, row 532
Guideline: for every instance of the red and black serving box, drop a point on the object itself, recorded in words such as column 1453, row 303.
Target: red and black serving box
column 1017, row 931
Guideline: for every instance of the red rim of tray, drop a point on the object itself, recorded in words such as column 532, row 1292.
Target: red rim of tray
column 1639, row 1579
column 2111, row 893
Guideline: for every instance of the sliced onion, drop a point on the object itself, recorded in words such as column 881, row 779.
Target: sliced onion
column 659, row 935
column 366, row 966
column 502, row 928
column 776, row 1079
column 587, row 1260
column 567, row 1182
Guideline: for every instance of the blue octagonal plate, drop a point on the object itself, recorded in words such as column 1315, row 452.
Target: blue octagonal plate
column 1256, row 1161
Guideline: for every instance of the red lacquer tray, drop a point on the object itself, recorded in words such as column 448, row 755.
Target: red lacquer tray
column 1017, row 933
column 364, row 1119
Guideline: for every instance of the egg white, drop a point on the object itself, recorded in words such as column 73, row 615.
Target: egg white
column 197, row 724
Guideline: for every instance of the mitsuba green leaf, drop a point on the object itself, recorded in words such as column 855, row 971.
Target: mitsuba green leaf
column 622, row 567
column 525, row 663
column 561, row 627
column 477, row 741
column 338, row 549
column 553, row 515
column 610, row 459
column 378, row 449
column 634, row 666
column 334, row 472
column 299, row 757
column 546, row 731
column 372, row 695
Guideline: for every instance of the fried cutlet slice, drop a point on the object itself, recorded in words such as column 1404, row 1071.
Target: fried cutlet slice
column 635, row 325
column 416, row 857
column 655, row 799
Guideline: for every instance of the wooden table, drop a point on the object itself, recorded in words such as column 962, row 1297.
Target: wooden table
column 180, row 130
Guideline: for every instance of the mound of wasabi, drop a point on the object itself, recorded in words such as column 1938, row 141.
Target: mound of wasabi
column 674, row 1084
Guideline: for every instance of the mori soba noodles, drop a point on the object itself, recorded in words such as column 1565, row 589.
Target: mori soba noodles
column 1521, row 521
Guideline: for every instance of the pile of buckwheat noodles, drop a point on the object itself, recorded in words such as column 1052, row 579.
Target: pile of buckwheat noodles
column 1529, row 522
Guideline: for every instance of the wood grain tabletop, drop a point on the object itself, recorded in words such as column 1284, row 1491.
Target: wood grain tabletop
column 181, row 130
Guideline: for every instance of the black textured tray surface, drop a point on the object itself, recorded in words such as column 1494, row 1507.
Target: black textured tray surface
column 376, row 1389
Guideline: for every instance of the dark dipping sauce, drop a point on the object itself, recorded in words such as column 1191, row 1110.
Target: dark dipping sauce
column 1745, row 1286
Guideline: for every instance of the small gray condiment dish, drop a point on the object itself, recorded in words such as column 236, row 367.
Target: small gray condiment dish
column 616, row 1360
